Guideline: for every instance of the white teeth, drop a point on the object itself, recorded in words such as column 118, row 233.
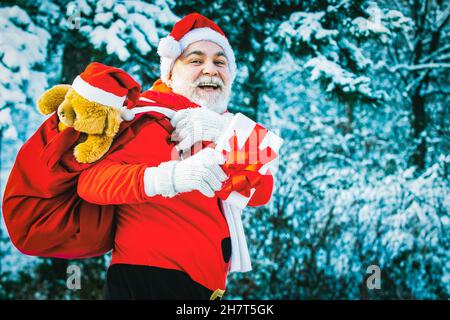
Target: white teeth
column 209, row 84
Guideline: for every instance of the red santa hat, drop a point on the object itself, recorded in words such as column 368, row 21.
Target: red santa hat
column 107, row 85
column 192, row 28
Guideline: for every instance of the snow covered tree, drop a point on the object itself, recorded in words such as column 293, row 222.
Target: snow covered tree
column 22, row 79
column 419, row 59
column 121, row 33
column 342, row 134
column 332, row 36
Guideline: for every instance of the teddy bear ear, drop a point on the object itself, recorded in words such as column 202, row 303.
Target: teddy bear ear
column 52, row 98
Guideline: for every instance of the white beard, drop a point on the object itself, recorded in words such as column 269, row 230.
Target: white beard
column 214, row 101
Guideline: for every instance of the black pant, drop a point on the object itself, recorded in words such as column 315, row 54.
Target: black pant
column 125, row 281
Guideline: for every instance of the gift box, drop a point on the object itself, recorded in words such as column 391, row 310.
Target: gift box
column 251, row 151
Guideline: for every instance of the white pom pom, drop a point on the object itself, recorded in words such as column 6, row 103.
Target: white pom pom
column 170, row 48
column 127, row 114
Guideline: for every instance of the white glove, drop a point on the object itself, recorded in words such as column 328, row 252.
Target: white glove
column 198, row 124
column 200, row 172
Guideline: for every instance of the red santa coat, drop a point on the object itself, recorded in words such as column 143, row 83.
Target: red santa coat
column 187, row 232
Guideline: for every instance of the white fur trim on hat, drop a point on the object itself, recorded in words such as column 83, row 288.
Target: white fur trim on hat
column 88, row 91
column 167, row 49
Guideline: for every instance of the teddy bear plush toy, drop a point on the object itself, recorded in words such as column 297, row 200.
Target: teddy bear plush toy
column 93, row 105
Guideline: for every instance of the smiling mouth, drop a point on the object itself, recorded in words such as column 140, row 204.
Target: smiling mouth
column 209, row 87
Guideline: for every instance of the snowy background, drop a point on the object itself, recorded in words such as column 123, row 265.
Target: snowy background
column 359, row 90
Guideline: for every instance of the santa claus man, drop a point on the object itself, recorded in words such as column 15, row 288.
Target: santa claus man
column 172, row 240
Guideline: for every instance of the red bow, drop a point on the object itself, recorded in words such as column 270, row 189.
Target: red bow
column 242, row 165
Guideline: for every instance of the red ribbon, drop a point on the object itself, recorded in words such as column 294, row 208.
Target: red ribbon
column 242, row 164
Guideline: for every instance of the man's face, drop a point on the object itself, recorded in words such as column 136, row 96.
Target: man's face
column 202, row 75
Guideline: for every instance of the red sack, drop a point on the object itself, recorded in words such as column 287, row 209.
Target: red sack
column 42, row 211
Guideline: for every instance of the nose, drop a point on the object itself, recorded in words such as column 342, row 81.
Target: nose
column 210, row 69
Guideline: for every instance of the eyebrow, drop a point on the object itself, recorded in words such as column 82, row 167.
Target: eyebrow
column 221, row 54
column 200, row 53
